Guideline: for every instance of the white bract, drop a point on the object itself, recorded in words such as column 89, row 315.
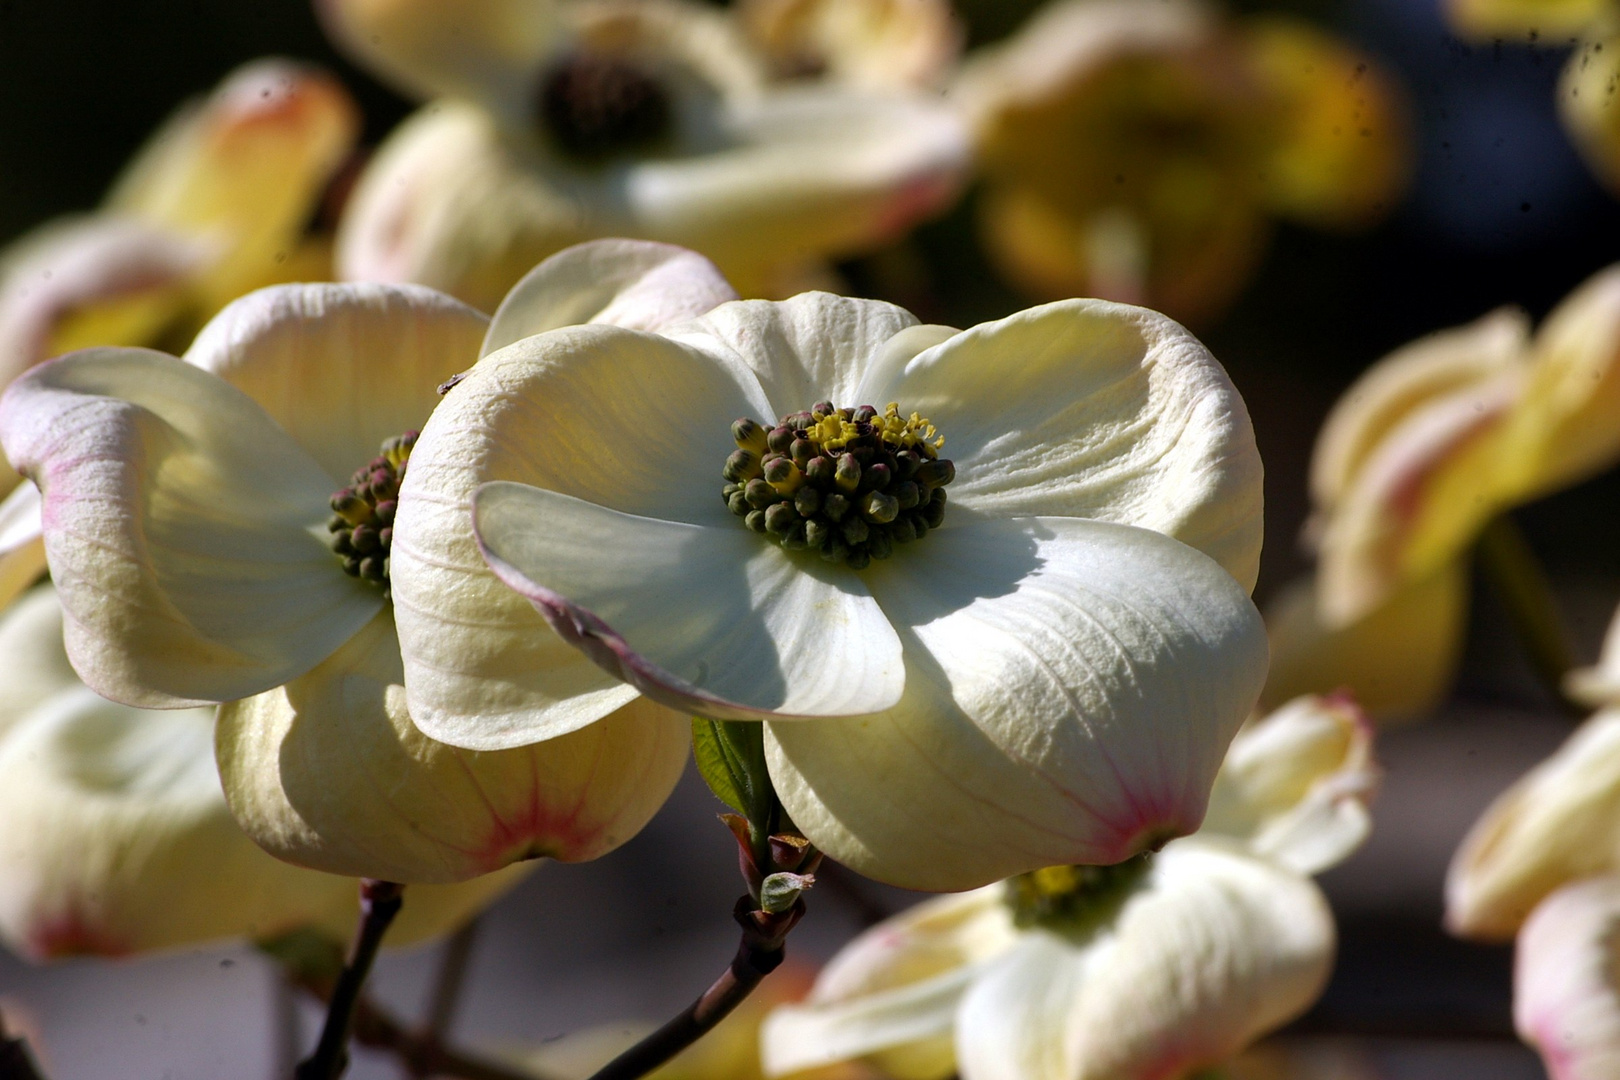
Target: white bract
column 1051, row 676
column 186, row 505
column 1141, row 972
column 117, row 836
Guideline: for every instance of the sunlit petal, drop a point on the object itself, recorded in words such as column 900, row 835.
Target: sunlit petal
column 1071, row 687
column 183, row 528
column 768, row 628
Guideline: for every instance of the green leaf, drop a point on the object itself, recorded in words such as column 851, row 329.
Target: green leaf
column 720, row 766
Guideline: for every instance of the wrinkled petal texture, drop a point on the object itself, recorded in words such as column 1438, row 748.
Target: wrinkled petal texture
column 1085, row 408
column 636, row 284
column 705, row 619
column 1566, row 981
column 329, row 772
column 1215, row 950
column 184, row 529
column 1071, row 687
column 1294, row 787
column 341, row 368
column 1397, row 661
column 890, row 995
column 1559, row 822
column 627, row 420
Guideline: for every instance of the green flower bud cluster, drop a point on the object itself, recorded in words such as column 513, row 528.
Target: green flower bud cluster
column 848, row 484
column 362, row 521
column 595, row 105
column 1068, row 897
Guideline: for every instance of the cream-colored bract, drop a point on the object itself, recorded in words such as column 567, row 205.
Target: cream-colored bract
column 1223, row 938
column 118, row 839
column 1566, row 997
column 1052, row 676
column 471, row 192
column 186, row 504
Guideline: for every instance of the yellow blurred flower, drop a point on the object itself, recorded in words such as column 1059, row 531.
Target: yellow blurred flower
column 1138, row 151
column 556, row 123
column 1421, row 453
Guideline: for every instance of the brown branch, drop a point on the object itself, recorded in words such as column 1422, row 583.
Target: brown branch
column 759, row 953
column 16, row 1063
column 379, row 902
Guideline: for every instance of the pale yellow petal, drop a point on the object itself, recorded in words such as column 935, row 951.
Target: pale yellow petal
column 341, row 368
column 329, row 772
column 35, row 666
column 246, row 165
column 1397, row 661
column 1548, row 20
column 1406, row 380
column 22, row 542
column 636, row 284
column 1558, row 823
column 1567, row 427
column 878, row 44
column 1295, row 786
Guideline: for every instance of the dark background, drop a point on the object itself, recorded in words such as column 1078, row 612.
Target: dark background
column 1500, row 211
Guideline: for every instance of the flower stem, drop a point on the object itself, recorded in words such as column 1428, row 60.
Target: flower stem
column 1515, row 575
column 759, row 953
column 379, row 902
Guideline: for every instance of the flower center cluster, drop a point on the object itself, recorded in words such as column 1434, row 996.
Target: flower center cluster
column 848, row 484
column 1068, row 896
column 595, row 106
column 362, row 521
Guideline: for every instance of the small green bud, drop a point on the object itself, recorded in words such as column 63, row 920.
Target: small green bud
column 901, row 531
column 364, row 540
column 755, row 520
column 879, row 506
column 779, row 439
column 797, row 539
column 820, row 471
column 864, row 414
column 372, row 568
column 934, row 512
column 807, row 501
column 749, row 435
column 780, row 518
column 784, row 476
column 780, row 891
column 919, row 525
column 859, row 559
column 385, row 511
column 906, row 463
column 880, row 545
column 835, row 506
column 351, row 507
column 855, row 529
column 907, row 494
column 351, row 565
column 738, row 504
column 336, row 522
column 821, row 409
column 759, row 494
column 875, row 478
column 801, row 451
column 936, row 473
column 817, row 533
column 836, row 550
column 741, row 466
column 848, row 473
column 341, row 544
